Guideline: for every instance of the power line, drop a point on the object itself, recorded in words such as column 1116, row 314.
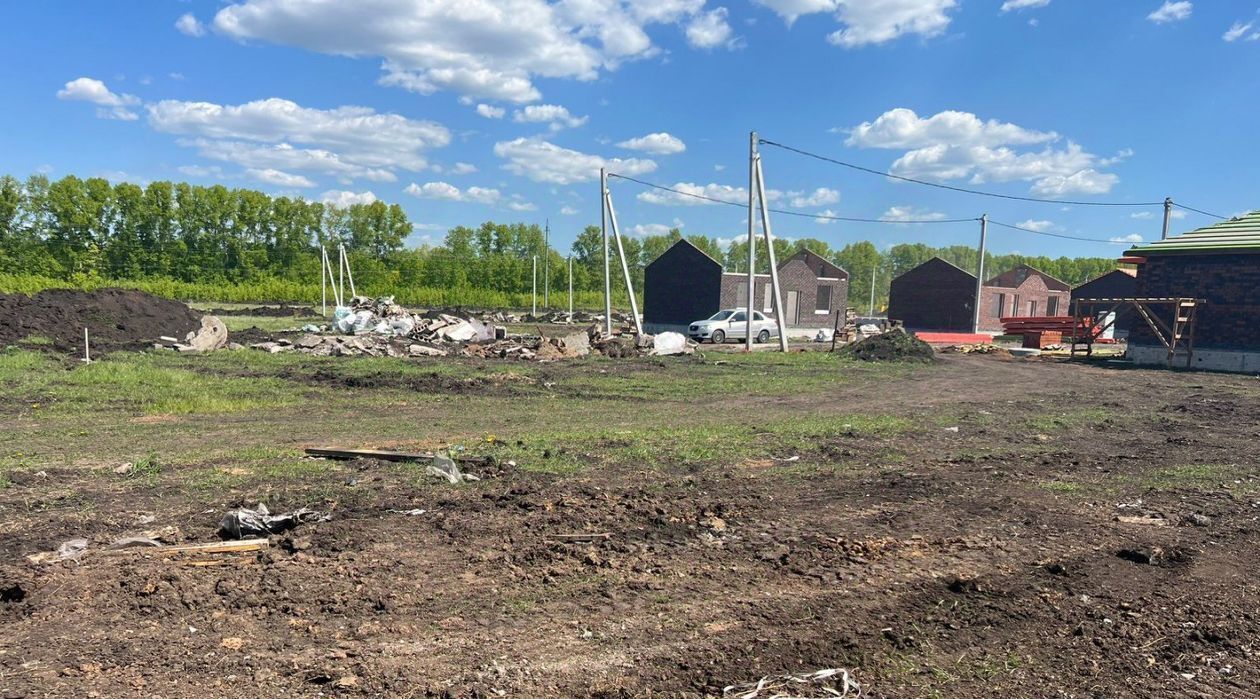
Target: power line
column 1056, row 235
column 1197, row 211
column 788, row 212
column 952, row 188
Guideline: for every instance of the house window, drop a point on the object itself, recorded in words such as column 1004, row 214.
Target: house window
column 1032, row 308
column 1000, row 309
column 741, row 294
column 824, row 300
column 767, row 302
column 1015, row 304
column 1052, row 306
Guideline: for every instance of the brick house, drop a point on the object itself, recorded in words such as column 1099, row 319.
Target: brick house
column 1116, row 284
column 684, row 284
column 939, row 296
column 1220, row 264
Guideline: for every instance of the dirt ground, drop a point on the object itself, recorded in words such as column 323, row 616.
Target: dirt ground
column 978, row 551
column 116, row 319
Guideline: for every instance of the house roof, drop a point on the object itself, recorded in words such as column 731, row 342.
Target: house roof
column 688, row 243
column 813, row 259
column 1238, row 234
column 1016, row 275
column 936, row 261
column 1115, row 273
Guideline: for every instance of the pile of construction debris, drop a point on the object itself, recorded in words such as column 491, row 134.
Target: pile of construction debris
column 574, row 318
column 382, row 328
column 896, row 345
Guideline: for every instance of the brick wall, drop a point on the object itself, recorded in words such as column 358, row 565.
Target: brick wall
column 1230, row 284
column 1015, row 302
column 794, row 275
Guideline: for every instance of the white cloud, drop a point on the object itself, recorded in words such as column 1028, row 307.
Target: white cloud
column 1237, row 31
column 348, row 142
column 568, row 211
column 1039, row 225
column 722, row 192
column 463, row 169
column 188, row 24
column 175, row 76
column 1023, row 4
column 278, row 178
column 111, row 105
column 1085, row 181
column 1130, row 238
column 491, row 112
column 343, row 199
column 519, row 204
column 644, row 230
column 822, row 220
column 660, row 143
column 555, row 115
column 958, row 145
column 1171, row 12
column 476, row 48
column 449, row 192
column 867, row 22
column 542, row 161
column 903, row 128
column 819, row 197
column 709, row 30
column 201, row 170
column 909, row 213
column 1143, row 215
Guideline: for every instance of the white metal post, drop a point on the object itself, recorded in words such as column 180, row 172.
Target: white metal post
column 603, row 227
column 625, row 268
column 323, row 283
column 328, row 270
column 984, row 231
column 570, row 288
column 774, row 267
column 752, row 241
column 1167, row 216
column 534, row 293
column 349, row 272
column 341, row 272
column 87, row 349
column 547, row 265
column 874, row 270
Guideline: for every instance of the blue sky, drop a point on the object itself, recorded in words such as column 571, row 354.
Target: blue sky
column 471, row 110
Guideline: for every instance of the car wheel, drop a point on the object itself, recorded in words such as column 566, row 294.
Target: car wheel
column 763, row 337
column 718, row 337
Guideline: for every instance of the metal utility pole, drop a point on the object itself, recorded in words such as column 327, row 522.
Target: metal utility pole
column 570, row 288
column 341, row 272
column 752, row 241
column 323, row 282
column 345, row 256
column 1167, row 216
column 603, row 227
column 625, row 268
column 769, row 235
column 547, row 264
column 534, row 294
column 984, row 231
column 874, row 271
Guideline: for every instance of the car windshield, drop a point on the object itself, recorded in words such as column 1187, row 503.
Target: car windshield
column 721, row 315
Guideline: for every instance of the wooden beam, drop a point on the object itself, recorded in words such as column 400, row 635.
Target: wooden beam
column 383, row 455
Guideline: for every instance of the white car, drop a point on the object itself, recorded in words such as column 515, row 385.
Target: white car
column 730, row 325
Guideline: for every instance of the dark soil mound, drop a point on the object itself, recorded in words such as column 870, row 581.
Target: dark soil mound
column 893, row 346
column 279, row 311
column 116, row 319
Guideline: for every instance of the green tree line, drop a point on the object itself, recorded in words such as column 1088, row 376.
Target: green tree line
column 224, row 244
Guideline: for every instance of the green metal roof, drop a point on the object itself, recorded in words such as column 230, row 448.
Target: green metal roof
column 1241, row 234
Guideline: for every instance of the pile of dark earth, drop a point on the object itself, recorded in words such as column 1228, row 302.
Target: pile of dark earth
column 116, row 319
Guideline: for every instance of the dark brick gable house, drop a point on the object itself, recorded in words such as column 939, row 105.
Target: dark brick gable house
column 684, row 284
column 938, row 296
column 1220, row 264
column 1116, row 284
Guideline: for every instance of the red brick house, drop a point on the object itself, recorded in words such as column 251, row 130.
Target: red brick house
column 684, row 284
column 1219, row 264
column 938, row 296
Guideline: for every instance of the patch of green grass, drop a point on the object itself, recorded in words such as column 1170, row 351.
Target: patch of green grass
column 36, row 341
column 270, row 323
column 1203, row 477
column 1058, row 420
column 141, row 383
column 1061, row 486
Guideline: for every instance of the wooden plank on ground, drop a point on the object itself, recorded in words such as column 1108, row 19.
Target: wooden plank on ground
column 383, row 455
